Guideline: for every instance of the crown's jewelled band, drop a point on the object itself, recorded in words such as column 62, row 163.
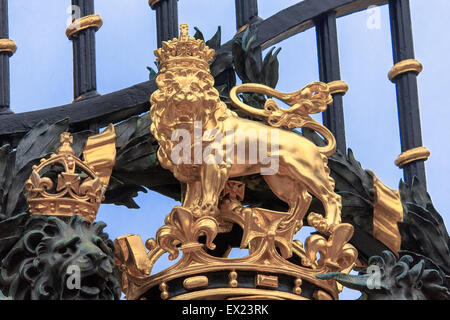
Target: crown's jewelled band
column 186, row 63
column 91, row 21
column 7, row 45
column 63, row 207
column 410, row 65
column 416, row 154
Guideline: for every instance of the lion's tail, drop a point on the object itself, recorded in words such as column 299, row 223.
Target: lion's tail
column 295, row 117
column 330, row 147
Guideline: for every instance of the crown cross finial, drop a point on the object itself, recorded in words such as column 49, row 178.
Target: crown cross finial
column 66, row 140
column 184, row 32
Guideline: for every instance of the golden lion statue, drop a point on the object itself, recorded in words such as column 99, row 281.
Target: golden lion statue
column 186, row 101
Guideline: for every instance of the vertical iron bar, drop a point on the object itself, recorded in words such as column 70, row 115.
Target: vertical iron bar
column 329, row 70
column 4, row 31
column 166, row 19
column 246, row 14
column 406, row 85
column 5, row 54
column 246, row 11
column 84, row 64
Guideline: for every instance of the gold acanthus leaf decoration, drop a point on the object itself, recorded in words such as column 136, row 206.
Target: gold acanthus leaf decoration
column 181, row 228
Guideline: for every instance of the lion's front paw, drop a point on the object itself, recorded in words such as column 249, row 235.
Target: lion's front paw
column 207, row 209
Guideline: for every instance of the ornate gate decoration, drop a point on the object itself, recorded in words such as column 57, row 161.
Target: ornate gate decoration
column 57, row 165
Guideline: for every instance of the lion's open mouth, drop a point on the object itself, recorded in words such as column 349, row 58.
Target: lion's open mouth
column 90, row 285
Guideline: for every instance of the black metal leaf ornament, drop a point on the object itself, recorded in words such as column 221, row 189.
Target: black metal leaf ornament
column 423, row 230
column 387, row 278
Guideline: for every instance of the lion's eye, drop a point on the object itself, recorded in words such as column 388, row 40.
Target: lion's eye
column 62, row 250
column 101, row 244
column 69, row 246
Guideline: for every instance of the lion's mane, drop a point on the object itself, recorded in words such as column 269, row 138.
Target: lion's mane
column 210, row 110
column 37, row 266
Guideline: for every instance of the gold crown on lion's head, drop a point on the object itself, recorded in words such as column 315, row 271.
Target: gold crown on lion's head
column 184, row 52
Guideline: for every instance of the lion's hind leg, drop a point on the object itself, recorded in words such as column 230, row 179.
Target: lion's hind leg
column 317, row 180
column 294, row 194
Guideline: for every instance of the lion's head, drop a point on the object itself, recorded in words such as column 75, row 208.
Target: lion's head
column 43, row 263
column 388, row 279
column 184, row 96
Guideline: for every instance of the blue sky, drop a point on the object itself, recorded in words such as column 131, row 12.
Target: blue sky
column 41, row 77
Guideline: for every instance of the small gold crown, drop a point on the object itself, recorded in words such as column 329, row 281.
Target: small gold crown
column 78, row 189
column 184, row 52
